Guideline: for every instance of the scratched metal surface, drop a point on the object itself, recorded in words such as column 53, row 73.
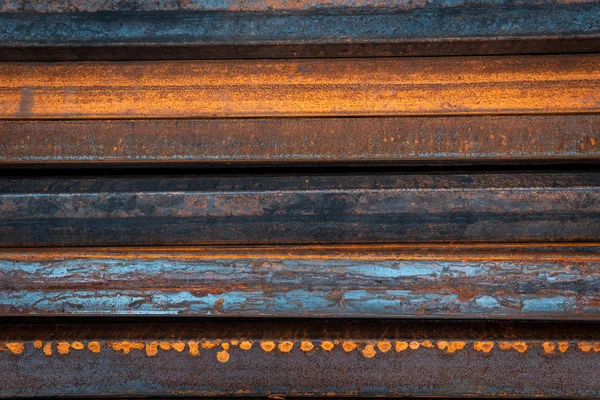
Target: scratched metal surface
column 221, row 209
column 449, row 281
column 417, row 86
column 304, row 358
column 257, row 29
column 525, row 138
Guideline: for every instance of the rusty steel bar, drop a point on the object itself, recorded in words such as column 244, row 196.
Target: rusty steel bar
column 376, row 208
column 538, row 138
column 450, row 281
column 93, row 30
column 327, row 87
column 303, row 358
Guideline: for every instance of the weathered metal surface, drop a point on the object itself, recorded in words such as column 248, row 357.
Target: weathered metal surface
column 330, row 87
column 544, row 138
column 252, row 358
column 299, row 209
column 447, row 281
column 256, row 29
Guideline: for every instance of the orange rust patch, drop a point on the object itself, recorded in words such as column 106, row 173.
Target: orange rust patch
column 485, row 347
column 327, row 345
column 77, row 345
column 384, row 346
column 37, row 344
column 63, row 348
column 94, row 347
column 369, row 351
column 267, row 345
column 48, row 349
column 584, row 346
column 348, row 346
column 505, row 345
column 401, row 346
column 178, row 346
column 521, row 347
column 223, row 356
column 164, row 345
column 225, row 346
column 549, row 347
column 563, row 346
column 15, row 348
column 245, row 345
column 126, row 346
column 208, row 344
column 450, row 347
column 306, row 345
column 428, row 344
column 194, row 348
column 234, row 342
column 151, row 349
column 286, row 346
column 414, row 345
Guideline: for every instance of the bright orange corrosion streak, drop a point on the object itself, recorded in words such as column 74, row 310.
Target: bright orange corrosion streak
column 401, row 86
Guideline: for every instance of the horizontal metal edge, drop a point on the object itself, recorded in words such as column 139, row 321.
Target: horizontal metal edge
column 425, row 281
column 491, row 27
column 297, row 209
column 287, row 88
column 248, row 358
column 305, row 140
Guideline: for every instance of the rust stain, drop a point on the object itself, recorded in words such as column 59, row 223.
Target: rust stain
column 401, row 346
column 48, row 349
column 563, row 346
column 306, row 346
column 126, row 346
column 245, row 345
column 450, row 347
column 549, row 347
column 223, row 356
column 428, row 344
column 94, row 347
column 267, row 345
column 414, row 345
column 194, row 351
column 207, row 344
column 285, row 346
column 77, row 346
column 15, row 347
column 63, row 347
column 327, row 345
column 521, row 347
column 485, row 347
column 38, row 344
column 234, row 342
column 164, row 346
column 151, row 349
column 225, row 345
column 178, row 346
column 505, row 346
column 384, row 346
column 348, row 346
column 369, row 351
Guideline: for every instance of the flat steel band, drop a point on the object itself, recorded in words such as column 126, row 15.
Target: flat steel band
column 419, row 281
column 253, row 358
column 80, row 30
column 368, row 208
column 301, row 88
column 524, row 138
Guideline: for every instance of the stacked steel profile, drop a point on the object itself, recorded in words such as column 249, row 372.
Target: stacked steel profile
column 300, row 198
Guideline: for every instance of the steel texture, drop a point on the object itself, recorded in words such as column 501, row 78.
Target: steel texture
column 449, row 281
column 291, row 88
column 525, row 138
column 221, row 209
column 304, row 358
column 76, row 30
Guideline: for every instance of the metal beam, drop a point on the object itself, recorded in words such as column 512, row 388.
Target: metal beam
column 233, row 209
column 300, row 358
column 422, row 281
column 297, row 88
